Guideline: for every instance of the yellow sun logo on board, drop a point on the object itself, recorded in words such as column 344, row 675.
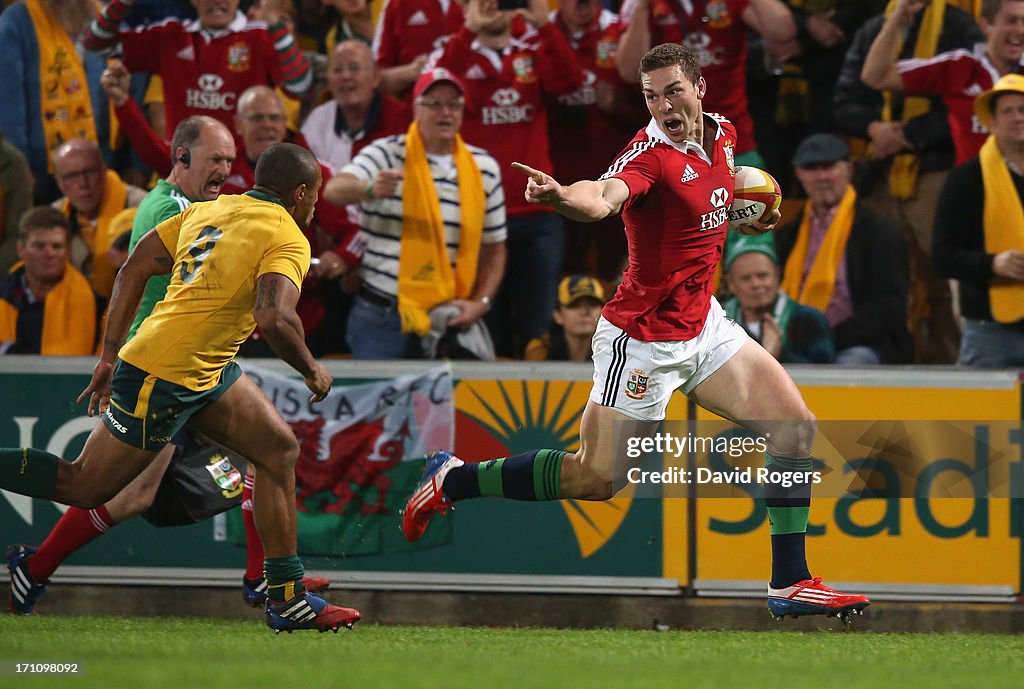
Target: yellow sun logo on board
column 545, row 414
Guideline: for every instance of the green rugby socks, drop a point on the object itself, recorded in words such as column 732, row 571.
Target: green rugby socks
column 788, row 510
column 284, row 577
column 535, row 475
column 28, row 471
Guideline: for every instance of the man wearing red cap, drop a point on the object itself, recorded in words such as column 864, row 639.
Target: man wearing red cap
column 511, row 62
column 441, row 215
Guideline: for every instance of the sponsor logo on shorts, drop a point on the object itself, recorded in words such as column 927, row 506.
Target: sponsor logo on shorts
column 115, row 423
column 636, row 385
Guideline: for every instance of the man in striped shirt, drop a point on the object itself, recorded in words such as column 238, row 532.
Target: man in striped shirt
column 383, row 323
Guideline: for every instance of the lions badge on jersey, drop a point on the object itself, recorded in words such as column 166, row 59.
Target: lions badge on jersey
column 606, row 49
column 239, row 57
column 730, row 156
column 718, row 15
column 522, row 65
column 636, row 386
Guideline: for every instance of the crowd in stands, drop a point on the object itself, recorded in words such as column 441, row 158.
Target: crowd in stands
column 896, row 129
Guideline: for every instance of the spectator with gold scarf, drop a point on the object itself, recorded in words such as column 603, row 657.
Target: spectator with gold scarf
column 434, row 227
column 979, row 232
column 50, row 89
column 844, row 260
column 93, row 196
column 909, row 153
column 46, row 306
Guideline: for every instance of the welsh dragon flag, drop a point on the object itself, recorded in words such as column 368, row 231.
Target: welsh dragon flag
column 361, row 453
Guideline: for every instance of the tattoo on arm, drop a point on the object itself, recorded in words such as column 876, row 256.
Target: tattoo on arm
column 272, row 298
column 261, row 288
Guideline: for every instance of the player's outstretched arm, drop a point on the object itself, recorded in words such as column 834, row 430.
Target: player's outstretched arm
column 583, row 201
column 274, row 311
column 149, row 258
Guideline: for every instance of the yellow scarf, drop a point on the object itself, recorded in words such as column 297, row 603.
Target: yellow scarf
column 1004, row 230
column 66, row 107
column 425, row 277
column 821, row 278
column 905, row 166
column 69, row 317
column 115, row 195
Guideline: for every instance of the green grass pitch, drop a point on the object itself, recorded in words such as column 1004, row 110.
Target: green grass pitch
column 144, row 653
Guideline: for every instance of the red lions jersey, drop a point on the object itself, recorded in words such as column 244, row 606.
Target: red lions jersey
column 410, row 28
column 676, row 223
column 202, row 75
column 506, row 113
column 715, row 31
column 584, row 137
column 958, row 76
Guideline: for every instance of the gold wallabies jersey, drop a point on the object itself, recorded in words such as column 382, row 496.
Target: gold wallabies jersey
column 220, row 249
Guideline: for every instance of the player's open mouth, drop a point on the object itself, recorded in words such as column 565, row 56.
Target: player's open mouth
column 673, row 126
column 214, row 186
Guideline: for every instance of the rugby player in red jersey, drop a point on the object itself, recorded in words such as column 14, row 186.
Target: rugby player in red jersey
column 663, row 330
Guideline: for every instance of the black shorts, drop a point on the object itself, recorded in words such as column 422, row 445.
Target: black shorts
column 202, row 480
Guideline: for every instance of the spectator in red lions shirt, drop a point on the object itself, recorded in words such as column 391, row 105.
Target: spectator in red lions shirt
column 205, row 64
column 588, row 126
column 507, row 79
column 407, row 32
column 716, row 30
column 663, row 330
column 957, row 75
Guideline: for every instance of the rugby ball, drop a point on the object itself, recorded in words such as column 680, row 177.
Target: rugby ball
column 757, row 195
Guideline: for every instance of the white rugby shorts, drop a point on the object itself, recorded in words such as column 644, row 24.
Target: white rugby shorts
column 637, row 378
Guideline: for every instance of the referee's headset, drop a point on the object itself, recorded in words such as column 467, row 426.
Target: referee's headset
column 185, row 158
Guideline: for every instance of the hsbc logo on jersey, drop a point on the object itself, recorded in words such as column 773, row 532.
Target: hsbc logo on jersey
column 208, row 95
column 505, row 97
column 506, row 109
column 718, row 216
column 700, row 44
column 584, row 95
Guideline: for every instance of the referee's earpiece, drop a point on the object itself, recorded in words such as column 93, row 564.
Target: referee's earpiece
column 185, row 158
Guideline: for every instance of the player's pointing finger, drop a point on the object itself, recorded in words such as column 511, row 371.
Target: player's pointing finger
column 526, row 169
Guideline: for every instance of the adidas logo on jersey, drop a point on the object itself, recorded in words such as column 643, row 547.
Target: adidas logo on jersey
column 418, row 18
column 475, row 72
column 689, row 174
column 186, row 53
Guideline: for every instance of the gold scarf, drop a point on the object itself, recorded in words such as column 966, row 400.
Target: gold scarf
column 69, row 317
column 66, row 107
column 905, row 166
column 817, row 290
column 425, row 277
column 1004, row 229
column 115, row 195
